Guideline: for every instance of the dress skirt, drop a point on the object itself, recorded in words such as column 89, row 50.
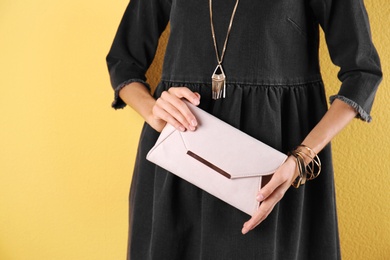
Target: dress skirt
column 172, row 219
column 274, row 93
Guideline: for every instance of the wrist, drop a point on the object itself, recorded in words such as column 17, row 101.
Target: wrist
column 291, row 161
column 306, row 171
column 156, row 123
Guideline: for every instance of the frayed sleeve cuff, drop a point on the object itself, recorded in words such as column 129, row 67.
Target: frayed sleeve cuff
column 118, row 102
column 362, row 114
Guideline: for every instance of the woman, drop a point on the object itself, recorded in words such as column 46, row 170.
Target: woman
column 274, row 92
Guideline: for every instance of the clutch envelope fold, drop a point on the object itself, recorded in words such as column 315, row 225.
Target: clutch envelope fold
column 217, row 158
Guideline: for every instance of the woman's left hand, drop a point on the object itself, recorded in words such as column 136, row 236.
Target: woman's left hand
column 272, row 193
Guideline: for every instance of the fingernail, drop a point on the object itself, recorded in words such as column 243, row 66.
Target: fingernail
column 244, row 230
column 196, row 101
column 260, row 197
column 192, row 128
column 194, row 123
column 181, row 128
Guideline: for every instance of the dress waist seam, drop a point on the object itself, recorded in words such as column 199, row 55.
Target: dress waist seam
column 262, row 82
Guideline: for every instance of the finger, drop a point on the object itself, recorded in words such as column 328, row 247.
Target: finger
column 183, row 92
column 198, row 95
column 265, row 209
column 284, row 175
column 193, row 97
column 165, row 111
column 273, row 193
column 174, row 100
column 270, row 187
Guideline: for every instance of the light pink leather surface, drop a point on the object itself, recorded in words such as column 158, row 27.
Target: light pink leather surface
column 243, row 157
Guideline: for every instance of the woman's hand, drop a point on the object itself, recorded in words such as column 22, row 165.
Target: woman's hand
column 272, row 193
column 335, row 119
column 170, row 108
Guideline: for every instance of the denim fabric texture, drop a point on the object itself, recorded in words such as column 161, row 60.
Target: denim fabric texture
column 274, row 93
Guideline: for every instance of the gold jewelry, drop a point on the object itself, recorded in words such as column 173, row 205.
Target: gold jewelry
column 308, row 171
column 315, row 163
column 301, row 179
column 219, row 78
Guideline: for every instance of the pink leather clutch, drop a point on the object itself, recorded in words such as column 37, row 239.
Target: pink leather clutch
column 217, row 158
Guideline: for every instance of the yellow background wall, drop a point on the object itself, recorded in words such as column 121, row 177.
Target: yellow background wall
column 66, row 157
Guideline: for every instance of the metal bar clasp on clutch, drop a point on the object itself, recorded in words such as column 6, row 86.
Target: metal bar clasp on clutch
column 218, row 83
column 209, row 164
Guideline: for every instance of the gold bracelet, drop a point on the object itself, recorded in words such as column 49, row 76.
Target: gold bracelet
column 308, row 171
column 315, row 163
column 301, row 179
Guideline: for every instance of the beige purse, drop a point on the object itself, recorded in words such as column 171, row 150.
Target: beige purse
column 217, row 158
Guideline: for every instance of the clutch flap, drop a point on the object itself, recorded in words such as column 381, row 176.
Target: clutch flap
column 228, row 150
column 165, row 133
column 217, row 158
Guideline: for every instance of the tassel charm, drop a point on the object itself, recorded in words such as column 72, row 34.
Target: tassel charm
column 218, row 83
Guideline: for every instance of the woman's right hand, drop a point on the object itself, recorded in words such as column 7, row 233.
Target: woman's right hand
column 170, row 108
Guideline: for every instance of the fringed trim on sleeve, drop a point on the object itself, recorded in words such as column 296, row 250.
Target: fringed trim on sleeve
column 362, row 114
column 118, row 102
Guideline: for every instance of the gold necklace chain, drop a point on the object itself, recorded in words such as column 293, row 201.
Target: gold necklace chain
column 227, row 34
column 218, row 78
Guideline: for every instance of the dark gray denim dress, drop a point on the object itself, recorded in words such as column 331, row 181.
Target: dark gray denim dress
column 274, row 93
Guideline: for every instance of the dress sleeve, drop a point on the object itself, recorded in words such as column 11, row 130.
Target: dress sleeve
column 135, row 43
column 348, row 36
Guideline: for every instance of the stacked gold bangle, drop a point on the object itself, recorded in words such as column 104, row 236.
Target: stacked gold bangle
column 308, row 171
